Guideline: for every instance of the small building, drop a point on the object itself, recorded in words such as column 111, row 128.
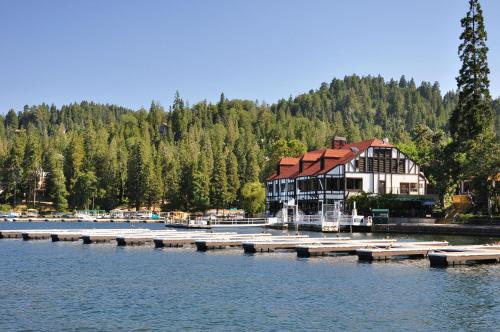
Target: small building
column 163, row 129
column 327, row 176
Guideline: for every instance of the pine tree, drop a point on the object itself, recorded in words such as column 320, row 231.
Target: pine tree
column 218, row 187
column 86, row 187
column 73, row 164
column 233, row 182
column 201, row 196
column 56, row 188
column 473, row 114
column 140, row 176
column 11, row 119
column 32, row 166
column 471, row 124
column 13, row 173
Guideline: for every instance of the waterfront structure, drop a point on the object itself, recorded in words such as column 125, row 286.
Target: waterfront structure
column 324, row 177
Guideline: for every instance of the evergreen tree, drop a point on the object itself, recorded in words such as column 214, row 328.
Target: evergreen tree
column 233, row 181
column 140, row 176
column 85, row 186
column 13, row 174
column 218, row 187
column 11, row 119
column 32, row 167
column 56, row 187
column 471, row 123
column 473, row 114
column 201, row 196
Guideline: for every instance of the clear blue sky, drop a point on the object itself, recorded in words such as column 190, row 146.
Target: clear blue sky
column 132, row 52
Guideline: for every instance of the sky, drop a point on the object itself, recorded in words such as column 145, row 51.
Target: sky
column 131, row 53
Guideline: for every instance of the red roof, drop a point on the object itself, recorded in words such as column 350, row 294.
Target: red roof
column 335, row 153
column 312, row 155
column 289, row 161
column 332, row 158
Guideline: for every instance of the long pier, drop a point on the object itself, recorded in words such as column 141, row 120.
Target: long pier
column 439, row 253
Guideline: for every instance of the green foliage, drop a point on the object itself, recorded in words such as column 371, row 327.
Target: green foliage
column 475, row 150
column 473, row 114
column 56, row 188
column 207, row 152
column 253, row 197
column 218, row 187
column 397, row 208
column 85, row 186
column 142, row 185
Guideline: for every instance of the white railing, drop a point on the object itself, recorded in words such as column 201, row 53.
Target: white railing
column 242, row 221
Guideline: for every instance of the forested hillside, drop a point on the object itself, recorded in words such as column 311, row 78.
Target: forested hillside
column 194, row 157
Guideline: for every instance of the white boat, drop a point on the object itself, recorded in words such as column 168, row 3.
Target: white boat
column 84, row 216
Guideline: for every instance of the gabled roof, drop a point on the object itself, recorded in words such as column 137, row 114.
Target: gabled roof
column 312, row 155
column 288, row 161
column 332, row 158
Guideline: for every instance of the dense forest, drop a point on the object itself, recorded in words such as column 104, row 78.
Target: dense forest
column 195, row 157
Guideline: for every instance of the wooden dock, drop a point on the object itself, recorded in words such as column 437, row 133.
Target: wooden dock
column 348, row 247
column 191, row 239
column 408, row 249
column 440, row 254
column 465, row 255
column 27, row 234
column 149, row 237
column 102, row 236
column 237, row 241
column 272, row 245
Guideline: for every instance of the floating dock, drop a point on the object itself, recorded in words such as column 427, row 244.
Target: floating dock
column 439, row 253
column 288, row 244
column 191, row 239
column 150, row 237
column 237, row 241
column 349, row 247
column 409, row 249
column 467, row 255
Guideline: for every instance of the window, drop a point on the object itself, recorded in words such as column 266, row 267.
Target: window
column 413, row 188
column 270, row 188
column 401, row 166
column 404, row 188
column 302, row 185
column 282, row 187
column 313, row 184
column 334, row 184
column 361, row 164
column 354, row 184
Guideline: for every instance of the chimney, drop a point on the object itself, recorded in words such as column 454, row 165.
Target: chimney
column 338, row 142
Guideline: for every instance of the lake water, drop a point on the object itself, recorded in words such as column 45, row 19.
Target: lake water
column 47, row 286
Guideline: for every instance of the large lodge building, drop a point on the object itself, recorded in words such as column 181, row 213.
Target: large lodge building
column 332, row 175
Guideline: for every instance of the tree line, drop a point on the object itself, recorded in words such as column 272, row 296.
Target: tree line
column 200, row 156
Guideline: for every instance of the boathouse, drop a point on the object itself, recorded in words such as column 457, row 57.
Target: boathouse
column 326, row 176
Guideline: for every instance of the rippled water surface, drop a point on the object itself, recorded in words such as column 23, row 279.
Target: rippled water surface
column 47, row 286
